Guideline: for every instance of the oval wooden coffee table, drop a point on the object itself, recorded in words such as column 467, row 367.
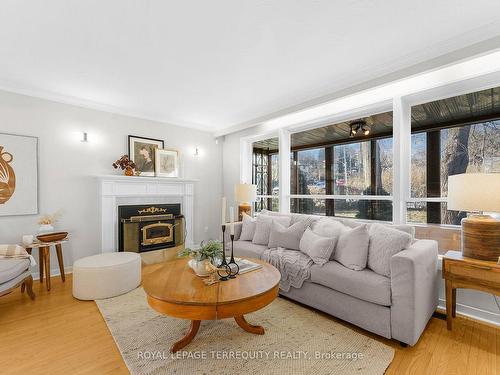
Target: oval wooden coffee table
column 175, row 290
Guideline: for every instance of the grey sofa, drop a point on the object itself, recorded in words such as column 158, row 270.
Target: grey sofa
column 396, row 307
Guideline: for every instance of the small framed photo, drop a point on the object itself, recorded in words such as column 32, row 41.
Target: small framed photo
column 142, row 152
column 167, row 163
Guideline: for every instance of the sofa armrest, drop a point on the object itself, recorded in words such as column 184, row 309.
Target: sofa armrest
column 238, row 225
column 414, row 285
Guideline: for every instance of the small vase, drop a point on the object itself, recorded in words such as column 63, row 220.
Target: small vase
column 45, row 228
column 200, row 267
column 129, row 171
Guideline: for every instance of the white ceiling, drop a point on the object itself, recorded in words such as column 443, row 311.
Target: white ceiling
column 215, row 64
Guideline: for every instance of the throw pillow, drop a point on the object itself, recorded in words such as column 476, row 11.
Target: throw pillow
column 384, row 243
column 247, row 228
column 317, row 247
column 352, row 248
column 289, row 238
column 263, row 227
column 327, row 227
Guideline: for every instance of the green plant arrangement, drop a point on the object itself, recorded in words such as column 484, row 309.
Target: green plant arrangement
column 208, row 250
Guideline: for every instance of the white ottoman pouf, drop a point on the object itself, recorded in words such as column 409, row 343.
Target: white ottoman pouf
column 106, row 275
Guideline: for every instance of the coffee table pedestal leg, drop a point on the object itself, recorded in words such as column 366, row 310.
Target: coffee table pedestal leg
column 258, row 330
column 193, row 330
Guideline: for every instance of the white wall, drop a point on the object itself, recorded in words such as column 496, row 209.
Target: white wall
column 231, row 161
column 67, row 167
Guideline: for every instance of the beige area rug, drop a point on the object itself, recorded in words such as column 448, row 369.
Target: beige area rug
column 297, row 341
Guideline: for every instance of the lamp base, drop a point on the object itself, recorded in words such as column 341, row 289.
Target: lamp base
column 244, row 208
column 481, row 237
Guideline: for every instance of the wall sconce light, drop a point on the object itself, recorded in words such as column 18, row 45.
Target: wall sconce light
column 196, row 151
column 85, row 137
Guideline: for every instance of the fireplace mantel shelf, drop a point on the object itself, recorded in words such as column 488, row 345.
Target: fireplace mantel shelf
column 116, row 190
column 163, row 180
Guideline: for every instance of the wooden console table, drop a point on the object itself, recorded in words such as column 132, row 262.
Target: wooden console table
column 462, row 272
column 44, row 258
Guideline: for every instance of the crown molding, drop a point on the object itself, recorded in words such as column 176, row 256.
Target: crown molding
column 88, row 104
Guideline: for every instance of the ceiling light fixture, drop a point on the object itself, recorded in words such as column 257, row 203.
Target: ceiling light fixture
column 358, row 126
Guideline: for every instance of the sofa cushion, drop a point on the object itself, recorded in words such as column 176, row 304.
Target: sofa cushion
column 317, row 247
column 352, row 248
column 13, row 267
column 351, row 223
column 248, row 249
column 247, row 228
column 15, row 281
column 366, row 284
column 263, row 227
column 384, row 243
column 294, row 218
column 288, row 238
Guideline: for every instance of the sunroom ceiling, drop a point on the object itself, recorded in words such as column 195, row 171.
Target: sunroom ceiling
column 464, row 109
column 468, row 108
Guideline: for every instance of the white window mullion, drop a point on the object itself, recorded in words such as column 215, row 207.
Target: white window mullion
column 284, row 169
column 401, row 158
column 246, row 162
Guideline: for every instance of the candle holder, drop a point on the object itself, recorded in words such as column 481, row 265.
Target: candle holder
column 224, row 274
column 234, row 269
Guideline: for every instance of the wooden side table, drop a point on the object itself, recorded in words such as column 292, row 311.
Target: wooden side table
column 462, row 272
column 44, row 259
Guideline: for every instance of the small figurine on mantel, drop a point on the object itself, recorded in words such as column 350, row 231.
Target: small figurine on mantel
column 126, row 165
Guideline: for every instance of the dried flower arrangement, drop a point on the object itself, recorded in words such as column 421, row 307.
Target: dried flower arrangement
column 49, row 219
column 125, row 164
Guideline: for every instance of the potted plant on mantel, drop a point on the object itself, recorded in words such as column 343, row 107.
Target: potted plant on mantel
column 125, row 164
column 205, row 255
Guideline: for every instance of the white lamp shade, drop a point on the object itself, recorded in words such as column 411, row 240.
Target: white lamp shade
column 245, row 193
column 474, row 192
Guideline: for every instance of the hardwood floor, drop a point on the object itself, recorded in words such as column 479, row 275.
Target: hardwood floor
column 57, row 334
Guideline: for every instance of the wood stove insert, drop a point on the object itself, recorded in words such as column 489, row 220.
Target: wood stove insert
column 150, row 227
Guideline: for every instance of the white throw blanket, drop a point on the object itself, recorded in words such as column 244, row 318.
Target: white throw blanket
column 15, row 251
column 294, row 265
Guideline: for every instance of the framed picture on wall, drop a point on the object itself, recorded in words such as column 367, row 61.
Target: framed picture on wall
column 167, row 163
column 142, row 152
column 18, row 175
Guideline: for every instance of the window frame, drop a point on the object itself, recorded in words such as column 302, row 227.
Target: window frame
column 396, row 97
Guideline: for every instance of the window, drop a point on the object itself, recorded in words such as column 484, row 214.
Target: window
column 311, row 171
column 346, row 169
column 328, row 162
column 450, row 136
column 265, row 174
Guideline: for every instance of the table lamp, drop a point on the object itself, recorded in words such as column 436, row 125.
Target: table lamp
column 245, row 194
column 477, row 193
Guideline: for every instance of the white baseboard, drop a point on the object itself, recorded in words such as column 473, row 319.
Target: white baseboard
column 53, row 272
column 474, row 313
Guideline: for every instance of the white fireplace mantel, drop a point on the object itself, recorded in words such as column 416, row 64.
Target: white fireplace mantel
column 117, row 190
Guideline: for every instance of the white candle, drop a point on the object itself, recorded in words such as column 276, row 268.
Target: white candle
column 231, row 219
column 223, row 210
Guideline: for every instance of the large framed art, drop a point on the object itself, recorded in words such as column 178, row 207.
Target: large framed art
column 18, row 175
column 142, row 152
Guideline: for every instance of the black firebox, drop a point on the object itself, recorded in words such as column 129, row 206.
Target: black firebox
column 150, row 227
